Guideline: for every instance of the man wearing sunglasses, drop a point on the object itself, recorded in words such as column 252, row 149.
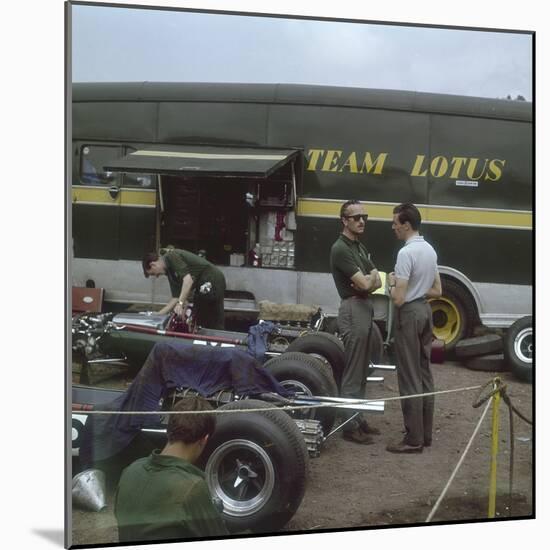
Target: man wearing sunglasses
column 355, row 277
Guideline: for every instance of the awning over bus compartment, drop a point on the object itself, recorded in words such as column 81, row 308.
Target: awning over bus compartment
column 202, row 160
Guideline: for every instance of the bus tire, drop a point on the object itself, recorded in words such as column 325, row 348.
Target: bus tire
column 487, row 363
column 480, row 345
column 453, row 313
column 325, row 346
column 308, row 375
column 266, row 452
column 519, row 348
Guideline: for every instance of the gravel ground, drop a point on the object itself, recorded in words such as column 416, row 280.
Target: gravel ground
column 352, row 486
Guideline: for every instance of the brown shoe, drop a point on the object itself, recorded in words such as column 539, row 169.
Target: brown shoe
column 403, row 447
column 357, row 436
column 366, row 428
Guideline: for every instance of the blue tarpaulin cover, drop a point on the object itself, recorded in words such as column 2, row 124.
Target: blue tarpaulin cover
column 171, row 365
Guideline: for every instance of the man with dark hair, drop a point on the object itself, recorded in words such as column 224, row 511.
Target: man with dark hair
column 164, row 496
column 415, row 279
column 186, row 272
column 355, row 277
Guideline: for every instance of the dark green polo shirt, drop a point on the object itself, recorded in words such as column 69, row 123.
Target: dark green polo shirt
column 164, row 497
column 347, row 257
column 179, row 263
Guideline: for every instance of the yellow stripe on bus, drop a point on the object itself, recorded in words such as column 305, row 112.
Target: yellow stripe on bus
column 93, row 195
column 126, row 197
column 430, row 214
column 138, row 197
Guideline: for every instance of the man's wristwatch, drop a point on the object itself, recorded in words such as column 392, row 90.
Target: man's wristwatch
column 180, row 303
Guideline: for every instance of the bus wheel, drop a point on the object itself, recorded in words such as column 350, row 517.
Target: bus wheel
column 519, row 348
column 256, row 463
column 453, row 314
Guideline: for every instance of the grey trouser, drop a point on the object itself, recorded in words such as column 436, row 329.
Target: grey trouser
column 413, row 346
column 354, row 324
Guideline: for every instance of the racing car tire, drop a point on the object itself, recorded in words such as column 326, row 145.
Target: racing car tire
column 267, row 452
column 326, row 346
column 308, row 375
column 519, row 348
column 330, row 326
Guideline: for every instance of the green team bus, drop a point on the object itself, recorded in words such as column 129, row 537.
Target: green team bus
column 229, row 168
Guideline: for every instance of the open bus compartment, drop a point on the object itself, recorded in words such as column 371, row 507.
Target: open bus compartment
column 223, row 200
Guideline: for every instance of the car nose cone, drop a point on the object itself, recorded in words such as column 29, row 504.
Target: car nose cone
column 88, row 490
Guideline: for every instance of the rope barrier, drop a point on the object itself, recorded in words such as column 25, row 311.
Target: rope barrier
column 498, row 391
column 495, row 400
column 290, row 407
column 493, row 397
column 511, row 410
column 459, row 463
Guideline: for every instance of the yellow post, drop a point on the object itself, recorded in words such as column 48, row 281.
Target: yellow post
column 494, row 452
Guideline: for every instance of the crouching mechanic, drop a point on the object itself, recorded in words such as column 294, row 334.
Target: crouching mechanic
column 164, row 496
column 187, row 272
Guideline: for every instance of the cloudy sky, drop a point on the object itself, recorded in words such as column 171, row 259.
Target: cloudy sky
column 124, row 44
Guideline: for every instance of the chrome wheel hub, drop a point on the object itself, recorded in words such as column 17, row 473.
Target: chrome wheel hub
column 242, row 475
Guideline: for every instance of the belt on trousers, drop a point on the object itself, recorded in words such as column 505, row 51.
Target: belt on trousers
column 417, row 300
column 356, row 296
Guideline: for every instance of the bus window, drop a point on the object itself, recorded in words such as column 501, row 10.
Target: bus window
column 146, row 181
column 139, row 180
column 93, row 158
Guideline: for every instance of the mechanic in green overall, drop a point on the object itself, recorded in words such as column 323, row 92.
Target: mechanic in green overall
column 164, row 496
column 187, row 272
column 355, row 277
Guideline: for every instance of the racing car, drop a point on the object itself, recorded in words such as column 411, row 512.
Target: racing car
column 257, row 459
column 126, row 339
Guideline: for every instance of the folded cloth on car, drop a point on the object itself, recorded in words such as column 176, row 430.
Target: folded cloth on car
column 257, row 338
column 171, row 365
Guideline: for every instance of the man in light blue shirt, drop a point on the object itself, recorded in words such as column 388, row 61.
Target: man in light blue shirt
column 415, row 279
